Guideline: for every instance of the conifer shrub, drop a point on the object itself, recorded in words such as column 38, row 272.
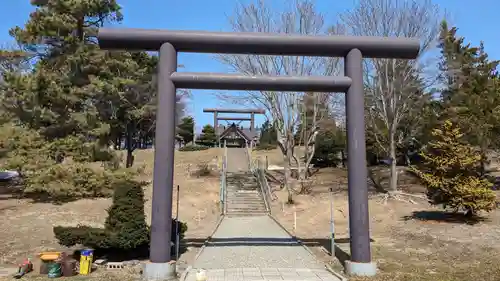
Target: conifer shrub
column 125, row 228
column 451, row 172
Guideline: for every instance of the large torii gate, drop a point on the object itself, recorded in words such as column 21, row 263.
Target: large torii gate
column 169, row 43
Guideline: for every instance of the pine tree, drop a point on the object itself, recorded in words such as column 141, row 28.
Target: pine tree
column 450, row 171
column 268, row 135
column 471, row 97
column 72, row 100
column 208, row 136
column 186, row 129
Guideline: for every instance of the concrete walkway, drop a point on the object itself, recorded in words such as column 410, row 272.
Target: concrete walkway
column 237, row 160
column 256, row 248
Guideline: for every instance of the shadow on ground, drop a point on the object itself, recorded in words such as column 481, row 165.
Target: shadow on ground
column 118, row 255
column 326, row 244
column 444, row 217
column 340, row 254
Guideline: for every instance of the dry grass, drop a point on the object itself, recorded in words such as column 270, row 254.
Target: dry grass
column 26, row 227
column 411, row 241
column 100, row 275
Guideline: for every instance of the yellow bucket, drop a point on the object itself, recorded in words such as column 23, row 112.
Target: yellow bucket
column 86, row 257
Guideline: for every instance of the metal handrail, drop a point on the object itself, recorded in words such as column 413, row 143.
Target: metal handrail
column 223, row 183
column 260, row 174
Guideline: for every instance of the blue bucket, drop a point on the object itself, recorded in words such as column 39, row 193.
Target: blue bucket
column 87, row 252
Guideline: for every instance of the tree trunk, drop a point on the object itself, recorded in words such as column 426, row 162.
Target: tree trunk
column 287, row 172
column 393, row 184
column 483, row 162
column 130, row 146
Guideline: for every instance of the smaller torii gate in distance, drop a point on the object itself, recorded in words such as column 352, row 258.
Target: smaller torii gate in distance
column 252, row 113
column 218, row 118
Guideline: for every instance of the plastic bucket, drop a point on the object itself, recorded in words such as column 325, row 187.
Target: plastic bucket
column 87, row 252
column 54, row 270
column 86, row 257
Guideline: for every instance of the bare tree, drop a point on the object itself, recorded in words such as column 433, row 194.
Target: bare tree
column 314, row 111
column 394, row 87
column 282, row 108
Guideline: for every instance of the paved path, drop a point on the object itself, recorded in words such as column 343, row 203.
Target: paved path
column 237, row 160
column 256, row 248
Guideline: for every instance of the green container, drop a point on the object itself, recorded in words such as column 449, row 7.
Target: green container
column 54, row 270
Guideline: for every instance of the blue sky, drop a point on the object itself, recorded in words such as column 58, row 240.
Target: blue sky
column 475, row 22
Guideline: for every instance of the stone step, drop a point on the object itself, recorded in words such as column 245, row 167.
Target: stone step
column 243, row 191
column 249, row 187
column 239, row 188
column 236, row 198
column 242, row 188
column 243, row 195
column 254, row 204
column 245, row 214
column 239, row 193
column 248, row 202
column 245, row 209
column 244, row 199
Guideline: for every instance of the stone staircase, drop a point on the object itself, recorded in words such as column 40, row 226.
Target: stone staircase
column 243, row 197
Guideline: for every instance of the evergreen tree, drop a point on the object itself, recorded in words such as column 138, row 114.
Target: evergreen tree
column 69, row 101
column 126, row 222
column 472, row 91
column 451, row 173
column 208, row 136
column 330, row 148
column 268, row 134
column 185, row 129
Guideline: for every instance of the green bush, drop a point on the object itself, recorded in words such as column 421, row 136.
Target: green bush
column 328, row 150
column 265, row 146
column 82, row 235
column 125, row 228
column 196, row 147
column 60, row 170
column 193, row 148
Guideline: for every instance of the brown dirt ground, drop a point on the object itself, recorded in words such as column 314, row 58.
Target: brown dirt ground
column 411, row 241
column 27, row 226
